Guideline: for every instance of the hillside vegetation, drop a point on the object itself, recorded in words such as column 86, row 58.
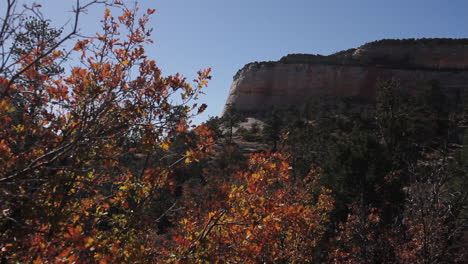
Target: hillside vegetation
column 100, row 163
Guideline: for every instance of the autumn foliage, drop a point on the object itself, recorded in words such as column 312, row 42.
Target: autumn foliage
column 100, row 163
column 68, row 193
column 265, row 215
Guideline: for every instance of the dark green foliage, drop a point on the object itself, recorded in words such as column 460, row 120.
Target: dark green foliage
column 38, row 37
column 214, row 124
column 273, row 128
column 253, row 134
column 403, row 158
column 368, row 151
column 230, row 119
column 394, row 120
column 411, row 41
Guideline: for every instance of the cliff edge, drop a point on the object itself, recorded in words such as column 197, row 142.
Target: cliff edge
column 295, row 78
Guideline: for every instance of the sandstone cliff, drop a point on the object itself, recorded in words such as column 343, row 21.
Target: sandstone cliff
column 295, row 78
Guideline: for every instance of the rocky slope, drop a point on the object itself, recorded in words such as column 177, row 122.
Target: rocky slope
column 416, row 63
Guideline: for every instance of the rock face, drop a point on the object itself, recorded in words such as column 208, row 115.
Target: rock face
column 296, row 78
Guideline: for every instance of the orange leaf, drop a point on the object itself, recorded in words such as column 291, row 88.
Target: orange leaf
column 107, row 13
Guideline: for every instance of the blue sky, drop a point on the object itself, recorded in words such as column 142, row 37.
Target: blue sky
column 225, row 35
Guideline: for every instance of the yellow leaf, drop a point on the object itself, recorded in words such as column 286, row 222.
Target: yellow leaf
column 56, row 53
column 165, row 145
column 89, row 242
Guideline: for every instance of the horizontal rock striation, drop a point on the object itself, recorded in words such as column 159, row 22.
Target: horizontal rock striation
column 295, row 78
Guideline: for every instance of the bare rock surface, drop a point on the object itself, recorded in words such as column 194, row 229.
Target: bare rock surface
column 295, row 78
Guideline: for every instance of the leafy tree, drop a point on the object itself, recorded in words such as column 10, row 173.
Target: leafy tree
column 70, row 195
column 230, row 119
column 214, row 124
column 273, row 127
column 99, row 165
column 38, row 37
column 265, row 215
column 429, row 230
column 362, row 238
column 432, row 220
column 392, row 118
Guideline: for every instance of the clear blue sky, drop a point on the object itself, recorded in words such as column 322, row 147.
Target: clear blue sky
column 225, row 35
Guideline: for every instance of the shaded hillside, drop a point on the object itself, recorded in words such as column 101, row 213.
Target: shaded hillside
column 397, row 167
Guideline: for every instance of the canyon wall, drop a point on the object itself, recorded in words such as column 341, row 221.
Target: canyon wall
column 294, row 79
